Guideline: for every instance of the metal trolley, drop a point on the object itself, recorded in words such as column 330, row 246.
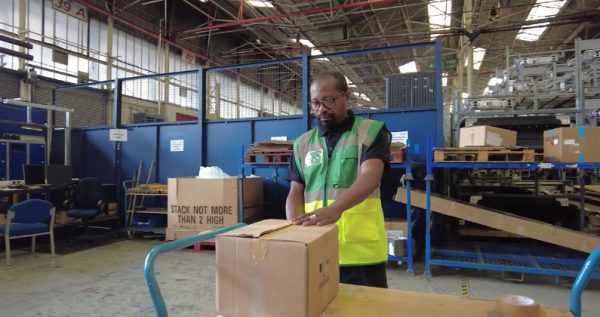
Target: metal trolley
column 161, row 309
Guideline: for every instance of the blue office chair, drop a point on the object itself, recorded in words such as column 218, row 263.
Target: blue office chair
column 87, row 202
column 31, row 218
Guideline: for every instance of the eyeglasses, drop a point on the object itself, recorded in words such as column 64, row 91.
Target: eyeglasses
column 327, row 102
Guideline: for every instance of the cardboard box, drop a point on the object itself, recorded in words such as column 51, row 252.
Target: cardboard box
column 274, row 269
column 572, row 145
column 396, row 224
column 396, row 243
column 2, row 219
column 487, row 136
column 196, row 205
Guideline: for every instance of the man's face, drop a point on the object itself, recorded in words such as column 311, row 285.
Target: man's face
column 334, row 104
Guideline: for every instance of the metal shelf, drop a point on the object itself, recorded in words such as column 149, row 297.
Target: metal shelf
column 515, row 259
column 157, row 211
column 511, row 258
column 515, row 165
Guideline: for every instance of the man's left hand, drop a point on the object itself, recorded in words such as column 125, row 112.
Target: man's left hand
column 322, row 216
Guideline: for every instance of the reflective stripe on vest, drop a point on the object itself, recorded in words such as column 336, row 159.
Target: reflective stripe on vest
column 361, row 231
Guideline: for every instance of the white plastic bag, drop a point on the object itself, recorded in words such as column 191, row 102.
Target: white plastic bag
column 211, row 172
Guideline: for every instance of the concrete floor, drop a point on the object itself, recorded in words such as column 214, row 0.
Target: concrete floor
column 107, row 281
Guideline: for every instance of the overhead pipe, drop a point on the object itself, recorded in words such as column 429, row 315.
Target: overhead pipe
column 350, row 5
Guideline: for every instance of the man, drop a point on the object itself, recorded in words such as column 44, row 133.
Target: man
column 335, row 173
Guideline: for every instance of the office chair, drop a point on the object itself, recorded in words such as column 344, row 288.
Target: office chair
column 30, row 218
column 87, row 203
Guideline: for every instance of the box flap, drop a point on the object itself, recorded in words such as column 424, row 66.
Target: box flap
column 280, row 230
column 259, row 229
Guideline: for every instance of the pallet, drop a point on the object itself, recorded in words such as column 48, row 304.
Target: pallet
column 483, row 154
column 268, row 157
column 205, row 247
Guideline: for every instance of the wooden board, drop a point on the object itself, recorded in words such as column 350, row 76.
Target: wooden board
column 361, row 301
column 504, row 221
column 593, row 188
column 483, row 154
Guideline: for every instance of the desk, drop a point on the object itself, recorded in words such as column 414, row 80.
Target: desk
column 361, row 301
column 7, row 192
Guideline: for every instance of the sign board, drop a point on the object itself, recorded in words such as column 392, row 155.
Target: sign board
column 188, row 57
column 401, row 136
column 176, row 145
column 118, row 135
column 447, row 64
column 72, row 8
column 279, row 138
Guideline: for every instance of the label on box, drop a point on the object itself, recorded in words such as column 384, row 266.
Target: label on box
column 279, row 138
column 570, row 142
column 189, row 217
column 555, row 141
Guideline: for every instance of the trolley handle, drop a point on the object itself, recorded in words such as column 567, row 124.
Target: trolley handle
column 581, row 282
column 149, row 276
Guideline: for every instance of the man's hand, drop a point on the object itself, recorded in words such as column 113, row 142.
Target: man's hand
column 322, row 216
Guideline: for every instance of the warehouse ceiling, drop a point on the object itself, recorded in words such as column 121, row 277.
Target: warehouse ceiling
column 228, row 32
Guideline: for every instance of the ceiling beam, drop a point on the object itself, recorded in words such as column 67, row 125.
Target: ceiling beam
column 282, row 16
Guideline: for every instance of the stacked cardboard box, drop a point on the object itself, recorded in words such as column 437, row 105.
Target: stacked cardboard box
column 487, row 136
column 197, row 205
column 572, row 145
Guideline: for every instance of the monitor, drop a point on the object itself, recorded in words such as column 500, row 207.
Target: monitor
column 58, row 174
column 34, row 174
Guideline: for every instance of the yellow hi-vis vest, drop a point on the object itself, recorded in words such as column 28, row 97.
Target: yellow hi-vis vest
column 361, row 231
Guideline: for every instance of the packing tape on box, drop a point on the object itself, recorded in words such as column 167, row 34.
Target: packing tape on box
column 517, row 306
column 581, row 132
column 259, row 249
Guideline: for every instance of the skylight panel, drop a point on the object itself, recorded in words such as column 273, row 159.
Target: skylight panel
column 410, row 67
column 439, row 15
column 542, row 9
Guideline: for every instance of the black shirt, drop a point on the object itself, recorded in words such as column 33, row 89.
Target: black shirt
column 379, row 149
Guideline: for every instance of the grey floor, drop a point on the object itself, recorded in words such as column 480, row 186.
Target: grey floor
column 107, row 281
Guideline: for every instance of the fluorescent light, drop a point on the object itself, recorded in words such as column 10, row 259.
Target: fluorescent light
column 542, row 9
column 306, row 42
column 478, row 54
column 410, row 67
column 439, row 15
column 260, row 3
column 315, row 52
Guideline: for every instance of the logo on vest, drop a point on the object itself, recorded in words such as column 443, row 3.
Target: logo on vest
column 313, row 158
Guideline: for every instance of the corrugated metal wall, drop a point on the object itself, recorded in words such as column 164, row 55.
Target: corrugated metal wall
column 89, row 104
column 410, row 91
column 9, row 84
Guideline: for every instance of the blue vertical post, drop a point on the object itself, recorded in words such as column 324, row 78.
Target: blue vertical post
column 428, row 180
column 438, row 92
column 241, row 184
column 305, row 92
column 116, row 123
column 408, row 178
column 200, row 81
